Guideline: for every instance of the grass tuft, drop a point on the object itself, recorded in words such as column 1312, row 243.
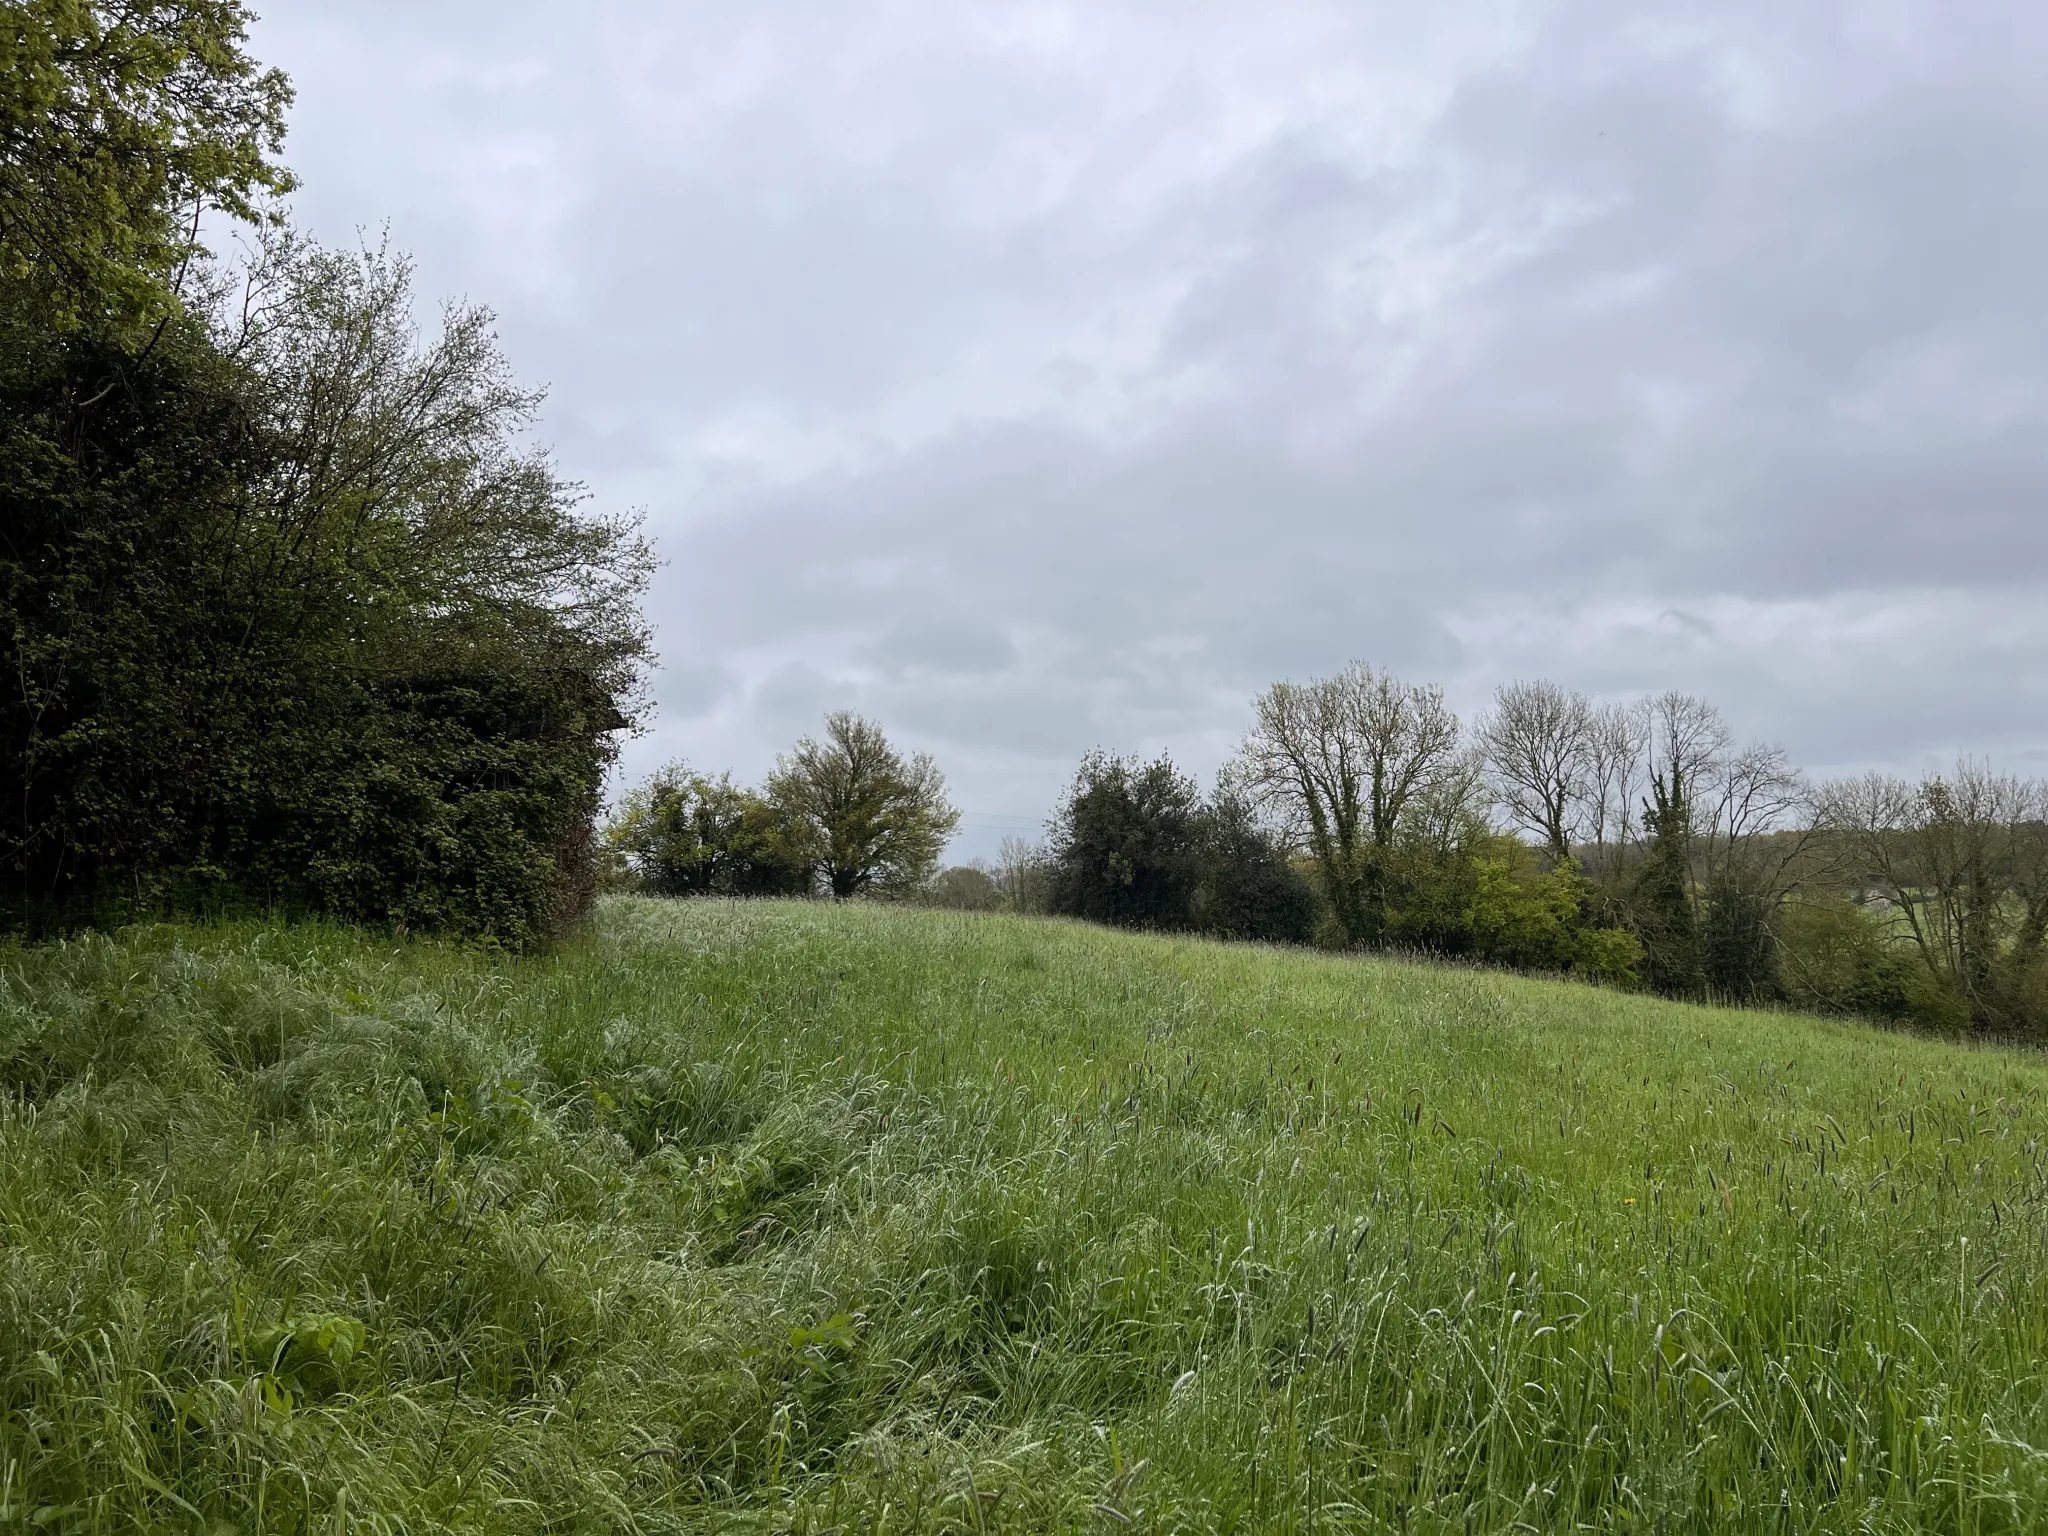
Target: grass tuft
column 799, row 1218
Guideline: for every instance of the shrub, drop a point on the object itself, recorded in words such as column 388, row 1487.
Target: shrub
column 297, row 621
column 1738, row 950
column 1126, row 847
column 1836, row 956
column 1518, row 913
column 686, row 834
column 1248, row 888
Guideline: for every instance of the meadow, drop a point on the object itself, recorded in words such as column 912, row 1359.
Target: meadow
column 800, row 1217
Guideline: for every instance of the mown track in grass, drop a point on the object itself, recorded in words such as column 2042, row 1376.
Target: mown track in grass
column 787, row 1216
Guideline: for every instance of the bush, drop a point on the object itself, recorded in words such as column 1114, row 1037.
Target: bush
column 1135, row 845
column 1837, row 957
column 1248, row 888
column 1506, row 909
column 295, row 620
column 1520, row 916
column 1738, row 949
column 685, row 834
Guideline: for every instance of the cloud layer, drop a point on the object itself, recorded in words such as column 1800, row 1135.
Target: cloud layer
column 1039, row 377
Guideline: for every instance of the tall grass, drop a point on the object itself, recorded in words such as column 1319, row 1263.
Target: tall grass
column 790, row 1217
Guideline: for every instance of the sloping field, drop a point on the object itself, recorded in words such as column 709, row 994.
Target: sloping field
column 788, row 1217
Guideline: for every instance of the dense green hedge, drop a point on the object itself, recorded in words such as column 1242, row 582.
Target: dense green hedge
column 233, row 685
column 292, row 613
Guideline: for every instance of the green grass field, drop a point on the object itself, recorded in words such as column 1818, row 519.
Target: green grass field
column 793, row 1217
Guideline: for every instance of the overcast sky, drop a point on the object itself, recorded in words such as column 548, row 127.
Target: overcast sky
column 1042, row 377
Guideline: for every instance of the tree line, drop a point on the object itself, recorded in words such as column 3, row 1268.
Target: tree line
column 1637, row 844
column 295, row 615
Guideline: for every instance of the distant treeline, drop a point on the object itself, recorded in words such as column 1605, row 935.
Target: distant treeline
column 1634, row 844
column 294, row 615
column 1638, row 844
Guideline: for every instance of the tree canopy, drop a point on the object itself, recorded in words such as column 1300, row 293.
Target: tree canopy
column 873, row 818
column 122, row 122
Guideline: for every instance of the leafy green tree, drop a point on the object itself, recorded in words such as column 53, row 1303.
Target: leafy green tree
column 686, row 834
column 293, row 615
column 1135, row 845
column 871, row 818
column 1126, row 847
column 122, row 122
column 1249, row 888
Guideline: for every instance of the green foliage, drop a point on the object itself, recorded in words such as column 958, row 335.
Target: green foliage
column 293, row 617
column 1837, row 957
column 1135, row 845
column 304, row 1357
column 457, row 800
column 964, row 888
column 296, row 621
column 122, row 121
column 1738, row 949
column 1249, row 887
column 1662, row 900
column 1126, row 846
column 1536, row 919
column 107, row 591
column 787, row 1216
column 1610, row 955
column 868, row 818
column 1489, row 896
column 1521, row 916
column 685, row 834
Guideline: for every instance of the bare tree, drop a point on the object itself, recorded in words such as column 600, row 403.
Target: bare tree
column 1685, row 743
column 1452, row 806
column 1686, row 739
column 1343, row 758
column 1539, row 746
column 1674, row 749
column 1755, row 819
column 1020, row 874
column 1731, row 797
column 1961, row 861
column 1616, row 752
column 876, row 819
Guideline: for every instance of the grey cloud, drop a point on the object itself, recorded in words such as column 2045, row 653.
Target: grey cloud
column 941, row 647
column 689, row 686
column 1040, row 377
